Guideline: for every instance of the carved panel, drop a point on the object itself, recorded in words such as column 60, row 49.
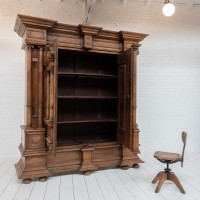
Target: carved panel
column 88, row 41
column 35, row 162
column 35, row 141
column 122, row 97
column 107, row 45
column 62, row 158
column 103, row 154
column 36, row 34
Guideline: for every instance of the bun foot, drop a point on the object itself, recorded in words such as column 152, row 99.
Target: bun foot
column 136, row 166
column 125, row 167
column 26, row 180
column 87, row 173
column 42, row 179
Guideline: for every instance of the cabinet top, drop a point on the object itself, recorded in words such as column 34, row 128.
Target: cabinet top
column 36, row 28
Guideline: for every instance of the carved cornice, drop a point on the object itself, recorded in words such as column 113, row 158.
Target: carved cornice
column 89, row 30
column 65, row 29
column 39, row 31
column 131, row 39
column 131, row 36
column 109, row 35
column 23, row 22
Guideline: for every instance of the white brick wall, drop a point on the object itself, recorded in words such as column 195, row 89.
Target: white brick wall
column 168, row 67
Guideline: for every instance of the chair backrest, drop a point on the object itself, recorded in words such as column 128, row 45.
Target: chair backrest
column 184, row 138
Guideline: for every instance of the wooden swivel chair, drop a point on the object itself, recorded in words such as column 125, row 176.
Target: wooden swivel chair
column 169, row 158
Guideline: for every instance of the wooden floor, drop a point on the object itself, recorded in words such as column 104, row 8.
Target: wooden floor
column 111, row 184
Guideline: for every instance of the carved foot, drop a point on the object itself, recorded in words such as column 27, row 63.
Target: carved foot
column 87, row 173
column 26, row 180
column 42, row 179
column 136, row 166
column 125, row 167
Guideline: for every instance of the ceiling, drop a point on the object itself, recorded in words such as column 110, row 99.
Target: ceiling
column 90, row 5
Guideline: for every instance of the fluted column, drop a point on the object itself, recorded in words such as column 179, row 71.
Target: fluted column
column 51, row 95
column 28, row 83
column 135, row 53
column 47, row 96
column 40, row 89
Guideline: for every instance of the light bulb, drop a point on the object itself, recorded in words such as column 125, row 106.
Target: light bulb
column 168, row 9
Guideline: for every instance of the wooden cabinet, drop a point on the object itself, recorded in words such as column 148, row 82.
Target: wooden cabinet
column 80, row 98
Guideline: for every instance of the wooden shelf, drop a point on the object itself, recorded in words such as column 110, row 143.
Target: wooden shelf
column 81, row 141
column 86, row 97
column 86, row 121
column 67, row 142
column 86, row 75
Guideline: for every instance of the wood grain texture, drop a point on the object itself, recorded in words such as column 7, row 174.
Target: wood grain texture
column 72, row 98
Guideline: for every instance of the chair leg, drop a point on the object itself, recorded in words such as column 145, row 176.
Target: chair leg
column 163, row 178
column 157, row 177
column 174, row 179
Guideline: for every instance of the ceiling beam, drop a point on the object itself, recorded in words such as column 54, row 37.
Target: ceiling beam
column 89, row 7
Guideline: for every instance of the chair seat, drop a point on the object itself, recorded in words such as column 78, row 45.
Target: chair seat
column 161, row 155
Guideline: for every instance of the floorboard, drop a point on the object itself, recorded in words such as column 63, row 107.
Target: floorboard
column 38, row 191
column 80, row 189
column 66, row 188
column 53, row 189
column 93, row 188
column 110, row 184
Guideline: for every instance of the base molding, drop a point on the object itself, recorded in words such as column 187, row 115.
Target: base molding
column 87, row 164
column 75, row 159
column 129, row 158
column 24, row 172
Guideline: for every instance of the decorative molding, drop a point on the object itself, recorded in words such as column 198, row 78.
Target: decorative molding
column 23, row 22
column 49, row 59
column 88, row 33
column 131, row 39
column 34, row 31
column 65, row 29
column 89, row 30
column 137, row 37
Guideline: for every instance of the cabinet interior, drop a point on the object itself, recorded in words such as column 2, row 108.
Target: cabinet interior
column 86, row 97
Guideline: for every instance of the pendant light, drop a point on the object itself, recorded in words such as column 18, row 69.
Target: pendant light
column 168, row 9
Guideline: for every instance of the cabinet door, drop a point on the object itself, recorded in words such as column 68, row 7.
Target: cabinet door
column 51, row 96
column 125, row 98
column 54, row 95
